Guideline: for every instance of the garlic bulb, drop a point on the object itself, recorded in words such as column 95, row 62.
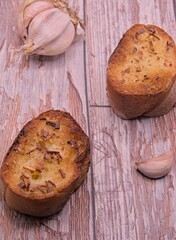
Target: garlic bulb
column 48, row 27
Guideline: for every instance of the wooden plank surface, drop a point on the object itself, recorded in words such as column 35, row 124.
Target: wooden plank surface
column 128, row 206
column 26, row 89
column 115, row 202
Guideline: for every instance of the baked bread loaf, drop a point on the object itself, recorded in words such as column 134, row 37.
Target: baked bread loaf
column 46, row 163
column 141, row 75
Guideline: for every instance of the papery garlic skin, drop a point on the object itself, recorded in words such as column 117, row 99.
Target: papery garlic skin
column 34, row 9
column 48, row 27
column 28, row 10
column 44, row 35
column 156, row 167
column 58, row 46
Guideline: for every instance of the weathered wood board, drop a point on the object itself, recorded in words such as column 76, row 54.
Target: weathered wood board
column 115, row 202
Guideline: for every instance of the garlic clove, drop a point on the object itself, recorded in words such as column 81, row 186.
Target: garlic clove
column 156, row 167
column 60, row 44
column 44, row 29
column 27, row 12
column 34, row 9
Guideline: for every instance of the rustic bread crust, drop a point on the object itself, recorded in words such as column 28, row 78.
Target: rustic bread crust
column 165, row 106
column 46, row 163
column 141, row 73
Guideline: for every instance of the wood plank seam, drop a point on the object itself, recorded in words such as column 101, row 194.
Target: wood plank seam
column 100, row 106
column 89, row 132
column 129, row 211
column 174, row 3
column 34, row 86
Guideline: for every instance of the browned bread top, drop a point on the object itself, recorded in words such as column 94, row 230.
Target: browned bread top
column 47, row 157
column 144, row 62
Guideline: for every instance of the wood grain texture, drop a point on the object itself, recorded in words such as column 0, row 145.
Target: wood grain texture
column 128, row 206
column 27, row 88
column 115, row 202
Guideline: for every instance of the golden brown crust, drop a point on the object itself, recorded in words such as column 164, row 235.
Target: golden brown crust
column 46, row 163
column 165, row 106
column 141, row 71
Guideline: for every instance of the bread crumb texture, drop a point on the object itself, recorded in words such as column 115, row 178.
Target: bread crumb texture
column 49, row 155
column 144, row 62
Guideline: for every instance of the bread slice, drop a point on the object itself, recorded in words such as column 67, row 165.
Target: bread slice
column 141, row 73
column 46, row 163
